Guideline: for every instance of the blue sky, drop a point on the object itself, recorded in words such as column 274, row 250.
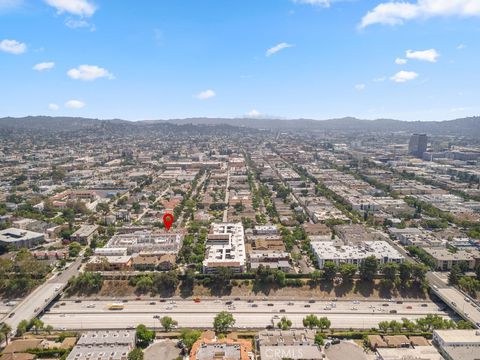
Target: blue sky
column 160, row 59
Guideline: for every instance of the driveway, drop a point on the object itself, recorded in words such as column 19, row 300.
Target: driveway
column 345, row 350
column 164, row 349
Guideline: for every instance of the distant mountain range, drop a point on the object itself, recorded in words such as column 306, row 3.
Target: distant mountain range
column 469, row 126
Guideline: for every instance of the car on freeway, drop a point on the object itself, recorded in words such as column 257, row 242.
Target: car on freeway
column 254, row 305
column 153, row 303
column 282, row 310
column 269, row 304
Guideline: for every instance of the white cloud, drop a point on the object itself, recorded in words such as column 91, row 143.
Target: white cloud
column 379, row 79
column 204, row 95
column 400, row 61
column 394, row 13
column 360, row 87
column 44, row 66
column 75, row 7
column 277, row 48
column 89, row 73
column 77, row 24
column 324, row 3
column 53, row 107
column 254, row 113
column 12, row 46
column 429, row 55
column 461, row 46
column 74, row 104
column 404, row 76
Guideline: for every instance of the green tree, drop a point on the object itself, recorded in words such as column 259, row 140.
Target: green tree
column 463, row 325
column 368, row 268
column 324, row 323
column 316, row 276
column 189, row 337
column 5, row 330
column 419, row 271
column 144, row 336
column 222, row 277
column 223, row 322
column 166, row 282
column 135, row 354
column 168, row 323
column 103, row 208
column 311, row 321
column 144, row 284
column 384, row 326
column 319, row 337
column 329, row 270
column 284, row 323
column 22, row 327
column 405, row 271
column 36, row 324
column 389, row 271
column 454, row 275
column 74, row 249
column 395, row 326
column 469, row 284
column 48, row 329
column 347, row 271
column 408, row 324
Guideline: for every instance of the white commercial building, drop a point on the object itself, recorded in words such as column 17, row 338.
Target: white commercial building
column 458, row 344
column 225, row 247
column 339, row 253
column 18, row 238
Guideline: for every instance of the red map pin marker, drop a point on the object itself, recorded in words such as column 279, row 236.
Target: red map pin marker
column 168, row 221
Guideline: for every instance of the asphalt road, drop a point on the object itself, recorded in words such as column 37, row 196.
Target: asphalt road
column 343, row 314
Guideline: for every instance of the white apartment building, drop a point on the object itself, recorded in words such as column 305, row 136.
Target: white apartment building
column 225, row 247
column 339, row 253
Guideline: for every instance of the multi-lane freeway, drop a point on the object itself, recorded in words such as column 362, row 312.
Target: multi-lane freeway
column 258, row 314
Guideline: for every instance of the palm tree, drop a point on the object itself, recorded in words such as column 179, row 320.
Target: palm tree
column 5, row 330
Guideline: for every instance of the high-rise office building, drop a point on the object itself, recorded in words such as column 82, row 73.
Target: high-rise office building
column 417, row 145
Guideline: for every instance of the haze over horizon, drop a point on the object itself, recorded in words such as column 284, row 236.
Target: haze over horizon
column 313, row 59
